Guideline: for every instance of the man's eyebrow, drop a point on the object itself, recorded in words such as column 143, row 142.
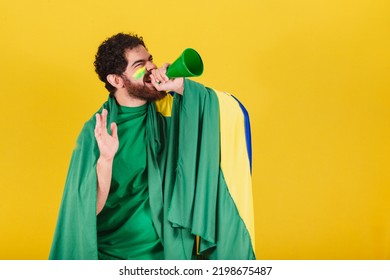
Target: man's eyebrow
column 142, row 60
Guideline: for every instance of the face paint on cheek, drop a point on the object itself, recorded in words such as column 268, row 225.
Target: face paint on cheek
column 139, row 73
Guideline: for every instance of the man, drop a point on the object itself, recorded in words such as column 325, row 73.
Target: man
column 145, row 179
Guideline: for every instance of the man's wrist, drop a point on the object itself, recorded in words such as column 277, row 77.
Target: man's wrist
column 105, row 160
column 180, row 89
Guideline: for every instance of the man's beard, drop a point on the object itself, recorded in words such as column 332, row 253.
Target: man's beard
column 143, row 91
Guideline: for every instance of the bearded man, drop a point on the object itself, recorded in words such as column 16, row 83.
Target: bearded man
column 145, row 179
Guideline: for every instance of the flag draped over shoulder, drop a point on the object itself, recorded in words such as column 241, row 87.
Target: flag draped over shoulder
column 199, row 166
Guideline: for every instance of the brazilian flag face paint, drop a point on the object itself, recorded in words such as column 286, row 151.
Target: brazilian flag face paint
column 139, row 73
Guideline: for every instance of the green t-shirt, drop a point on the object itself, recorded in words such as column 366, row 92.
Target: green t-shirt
column 124, row 226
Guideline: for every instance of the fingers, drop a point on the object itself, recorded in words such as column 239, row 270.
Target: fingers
column 101, row 123
column 156, row 83
column 165, row 66
column 104, row 118
column 159, row 75
column 114, row 130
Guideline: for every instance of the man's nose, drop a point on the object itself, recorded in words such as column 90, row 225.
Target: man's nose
column 150, row 66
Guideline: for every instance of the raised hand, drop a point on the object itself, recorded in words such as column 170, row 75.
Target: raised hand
column 108, row 144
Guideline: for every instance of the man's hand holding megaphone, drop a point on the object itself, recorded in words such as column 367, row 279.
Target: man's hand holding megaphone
column 162, row 82
column 170, row 77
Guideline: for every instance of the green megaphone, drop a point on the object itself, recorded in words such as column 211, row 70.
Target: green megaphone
column 188, row 64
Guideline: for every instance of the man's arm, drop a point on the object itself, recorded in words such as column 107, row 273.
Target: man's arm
column 104, row 174
column 108, row 146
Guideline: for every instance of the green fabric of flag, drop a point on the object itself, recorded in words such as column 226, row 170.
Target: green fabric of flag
column 188, row 194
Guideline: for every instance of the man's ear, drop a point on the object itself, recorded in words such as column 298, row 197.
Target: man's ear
column 115, row 80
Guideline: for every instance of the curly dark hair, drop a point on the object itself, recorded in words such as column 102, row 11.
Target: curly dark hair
column 110, row 57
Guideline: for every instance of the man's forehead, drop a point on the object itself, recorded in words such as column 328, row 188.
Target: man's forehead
column 137, row 53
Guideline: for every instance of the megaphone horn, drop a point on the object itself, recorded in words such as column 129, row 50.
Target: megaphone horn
column 188, row 64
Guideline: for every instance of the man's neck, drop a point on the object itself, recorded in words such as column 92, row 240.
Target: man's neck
column 124, row 99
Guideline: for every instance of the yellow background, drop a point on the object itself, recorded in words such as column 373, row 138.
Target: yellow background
column 314, row 76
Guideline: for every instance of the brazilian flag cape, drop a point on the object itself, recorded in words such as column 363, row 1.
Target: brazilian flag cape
column 199, row 180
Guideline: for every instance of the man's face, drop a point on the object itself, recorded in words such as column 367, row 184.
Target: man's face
column 142, row 88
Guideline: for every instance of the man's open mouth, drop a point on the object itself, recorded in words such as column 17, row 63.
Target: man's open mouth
column 147, row 79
